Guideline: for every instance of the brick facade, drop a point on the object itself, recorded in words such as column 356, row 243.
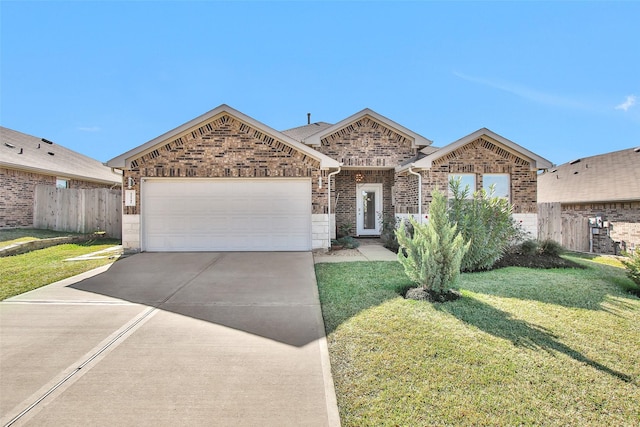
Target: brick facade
column 482, row 157
column 17, row 195
column 227, row 148
column 227, row 145
column 623, row 231
column 375, row 148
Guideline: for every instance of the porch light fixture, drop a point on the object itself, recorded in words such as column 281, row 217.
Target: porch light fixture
column 359, row 177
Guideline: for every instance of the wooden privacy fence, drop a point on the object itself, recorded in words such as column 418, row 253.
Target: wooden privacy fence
column 570, row 230
column 78, row 210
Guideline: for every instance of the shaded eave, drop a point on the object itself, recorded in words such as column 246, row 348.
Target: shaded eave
column 123, row 161
column 535, row 161
column 59, row 174
column 418, row 140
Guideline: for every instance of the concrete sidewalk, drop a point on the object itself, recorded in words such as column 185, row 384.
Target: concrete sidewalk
column 367, row 252
column 171, row 339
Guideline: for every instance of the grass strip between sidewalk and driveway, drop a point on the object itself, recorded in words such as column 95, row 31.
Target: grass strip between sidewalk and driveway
column 21, row 235
column 521, row 347
column 22, row 273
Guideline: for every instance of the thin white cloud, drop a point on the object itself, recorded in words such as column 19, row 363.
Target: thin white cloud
column 628, row 103
column 90, row 129
column 526, row 92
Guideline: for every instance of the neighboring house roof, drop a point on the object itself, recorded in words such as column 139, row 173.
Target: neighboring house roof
column 418, row 140
column 30, row 153
column 536, row 161
column 611, row 177
column 302, row 132
column 124, row 160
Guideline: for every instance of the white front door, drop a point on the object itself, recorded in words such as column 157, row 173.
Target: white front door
column 369, row 206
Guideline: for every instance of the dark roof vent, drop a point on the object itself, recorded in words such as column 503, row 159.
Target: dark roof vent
column 575, row 173
column 9, row 145
column 573, row 162
column 637, row 149
column 51, row 153
column 47, row 141
column 308, row 118
column 20, row 151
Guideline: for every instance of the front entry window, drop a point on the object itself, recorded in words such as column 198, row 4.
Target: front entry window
column 369, row 206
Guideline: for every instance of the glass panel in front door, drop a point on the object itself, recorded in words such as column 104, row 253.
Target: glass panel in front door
column 369, row 208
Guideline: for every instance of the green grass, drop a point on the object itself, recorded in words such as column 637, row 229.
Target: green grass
column 611, row 260
column 22, row 273
column 522, row 347
column 19, row 235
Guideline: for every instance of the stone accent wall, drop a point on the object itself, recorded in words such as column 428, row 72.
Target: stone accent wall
column 623, row 231
column 131, row 232
column 367, row 143
column 227, row 148
column 479, row 157
column 17, row 195
column 320, row 232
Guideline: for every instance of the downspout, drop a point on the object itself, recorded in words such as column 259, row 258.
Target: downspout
column 419, row 190
column 329, row 200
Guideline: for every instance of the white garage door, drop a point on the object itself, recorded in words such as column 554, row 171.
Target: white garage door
column 226, row 214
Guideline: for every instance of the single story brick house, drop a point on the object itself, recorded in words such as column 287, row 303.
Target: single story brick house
column 600, row 192
column 27, row 161
column 226, row 182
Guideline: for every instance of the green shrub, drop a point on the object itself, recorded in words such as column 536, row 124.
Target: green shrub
column 632, row 265
column 485, row 221
column 347, row 242
column 551, row 247
column 431, row 257
column 529, row 247
column 388, row 225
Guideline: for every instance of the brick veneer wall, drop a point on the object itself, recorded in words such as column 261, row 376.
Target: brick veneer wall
column 366, row 144
column 479, row 157
column 345, row 190
column 623, row 232
column 17, row 194
column 227, row 148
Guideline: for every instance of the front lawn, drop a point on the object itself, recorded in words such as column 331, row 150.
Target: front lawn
column 521, row 347
column 22, row 273
column 20, row 235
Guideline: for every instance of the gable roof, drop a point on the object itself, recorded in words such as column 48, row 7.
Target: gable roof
column 123, row 161
column 536, row 161
column 610, row 177
column 32, row 154
column 418, row 140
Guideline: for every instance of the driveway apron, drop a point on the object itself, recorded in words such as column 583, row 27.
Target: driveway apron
column 211, row 339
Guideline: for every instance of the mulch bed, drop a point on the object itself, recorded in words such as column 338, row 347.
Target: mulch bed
column 535, row 261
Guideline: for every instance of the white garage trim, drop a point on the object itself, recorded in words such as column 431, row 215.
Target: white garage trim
column 202, row 214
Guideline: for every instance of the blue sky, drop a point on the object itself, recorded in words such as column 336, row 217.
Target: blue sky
column 559, row 78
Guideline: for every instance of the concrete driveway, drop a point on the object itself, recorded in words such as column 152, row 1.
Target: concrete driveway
column 210, row 339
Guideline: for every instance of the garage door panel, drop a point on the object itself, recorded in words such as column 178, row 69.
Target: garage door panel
column 226, row 215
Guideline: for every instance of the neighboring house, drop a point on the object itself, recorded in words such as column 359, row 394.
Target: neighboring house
column 599, row 199
column 26, row 161
column 226, row 182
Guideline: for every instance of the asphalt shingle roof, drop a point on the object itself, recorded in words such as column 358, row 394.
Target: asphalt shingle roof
column 26, row 152
column 611, row 177
column 303, row 132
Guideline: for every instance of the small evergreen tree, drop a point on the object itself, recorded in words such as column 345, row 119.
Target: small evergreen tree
column 485, row 222
column 432, row 256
